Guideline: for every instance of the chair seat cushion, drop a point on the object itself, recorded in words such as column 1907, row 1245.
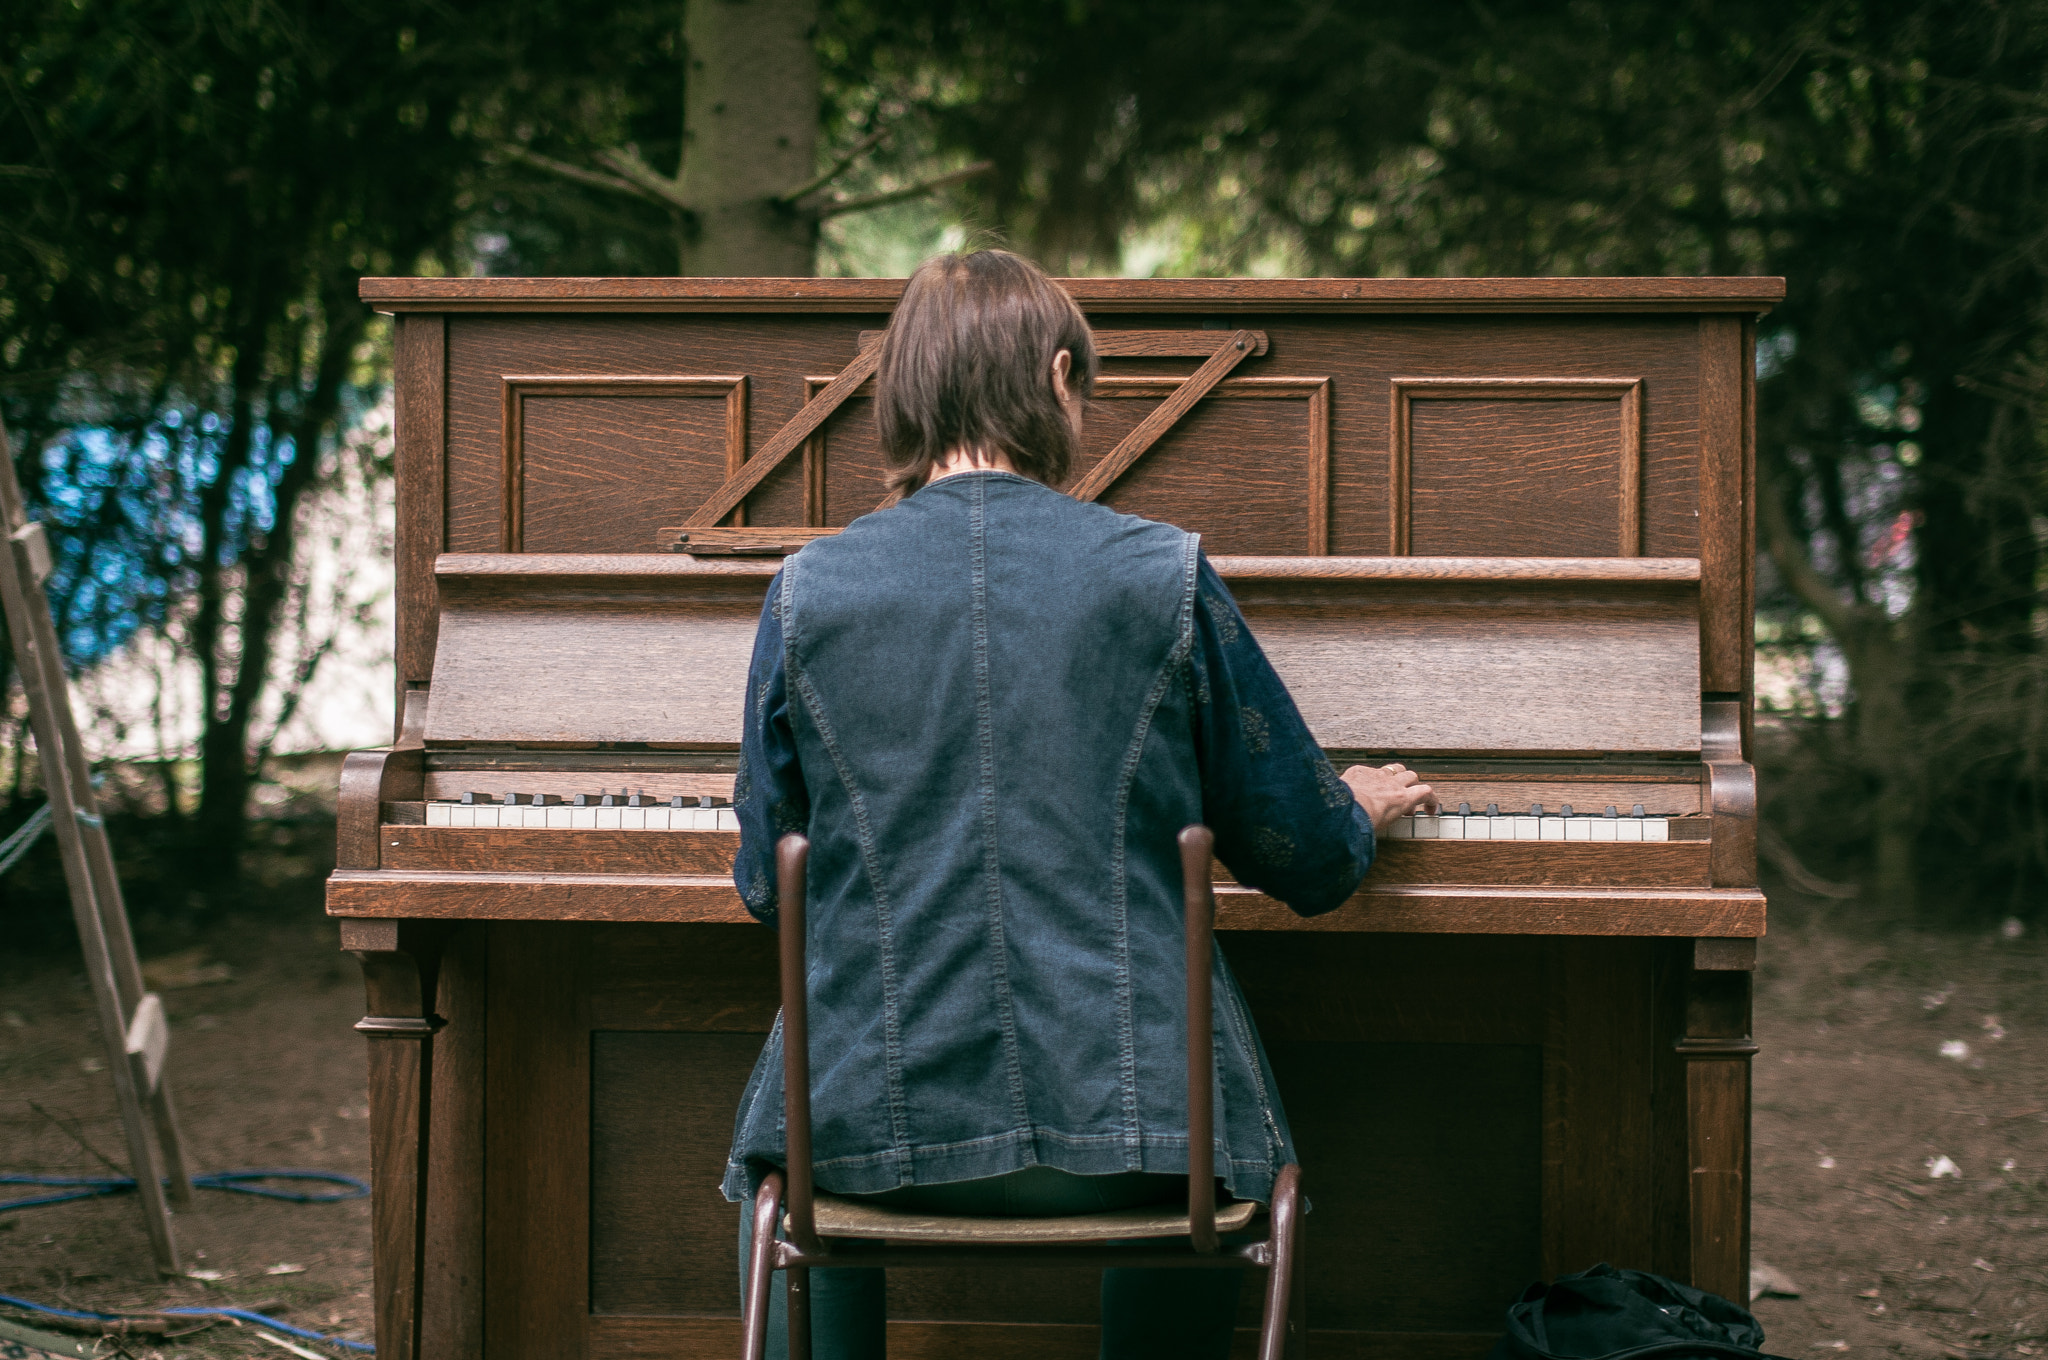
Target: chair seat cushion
column 838, row 1217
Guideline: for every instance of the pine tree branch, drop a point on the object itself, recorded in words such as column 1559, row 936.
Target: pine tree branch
column 645, row 177
column 567, row 171
column 839, row 167
column 917, row 190
column 1844, row 618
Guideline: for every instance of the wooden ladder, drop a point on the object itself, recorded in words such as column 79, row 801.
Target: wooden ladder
column 131, row 1020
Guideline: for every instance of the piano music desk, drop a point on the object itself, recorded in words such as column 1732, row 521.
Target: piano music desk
column 1497, row 529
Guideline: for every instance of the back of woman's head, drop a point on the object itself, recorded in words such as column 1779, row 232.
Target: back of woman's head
column 968, row 363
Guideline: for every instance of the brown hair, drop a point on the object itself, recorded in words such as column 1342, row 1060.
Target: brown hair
column 967, row 360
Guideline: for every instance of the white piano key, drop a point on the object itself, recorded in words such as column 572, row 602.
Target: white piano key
column 657, row 818
column 632, row 819
column 727, row 819
column 1601, row 829
column 1656, row 829
column 1479, row 828
column 533, row 818
column 461, row 814
column 583, row 818
column 560, row 816
column 1528, row 828
column 1578, row 828
column 608, row 818
column 1628, row 829
column 1426, row 827
column 1401, row 829
column 1450, row 828
column 1550, row 828
column 487, row 816
column 437, row 814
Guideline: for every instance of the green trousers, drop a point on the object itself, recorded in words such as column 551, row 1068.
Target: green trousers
column 1146, row 1314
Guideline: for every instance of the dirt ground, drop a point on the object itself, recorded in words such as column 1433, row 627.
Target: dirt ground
column 1856, row 1106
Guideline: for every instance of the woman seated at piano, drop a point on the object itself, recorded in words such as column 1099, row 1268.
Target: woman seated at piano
column 992, row 708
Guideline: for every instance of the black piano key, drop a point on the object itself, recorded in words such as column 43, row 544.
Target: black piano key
column 1565, row 810
column 1536, row 809
column 1464, row 809
column 705, row 800
column 1610, row 811
column 584, row 800
column 677, row 801
column 544, row 799
column 1493, row 809
column 472, row 798
column 1636, row 811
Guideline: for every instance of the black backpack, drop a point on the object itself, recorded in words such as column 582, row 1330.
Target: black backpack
column 1609, row 1314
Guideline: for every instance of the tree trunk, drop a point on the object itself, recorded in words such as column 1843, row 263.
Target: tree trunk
column 750, row 135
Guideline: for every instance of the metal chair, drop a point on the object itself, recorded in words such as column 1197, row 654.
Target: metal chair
column 821, row 1229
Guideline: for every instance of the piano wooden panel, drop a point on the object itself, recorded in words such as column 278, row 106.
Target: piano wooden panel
column 1499, row 529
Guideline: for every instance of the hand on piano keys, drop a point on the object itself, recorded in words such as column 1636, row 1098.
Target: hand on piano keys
column 602, row 811
column 1537, row 824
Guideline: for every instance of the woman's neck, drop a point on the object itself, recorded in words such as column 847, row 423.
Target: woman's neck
column 960, row 458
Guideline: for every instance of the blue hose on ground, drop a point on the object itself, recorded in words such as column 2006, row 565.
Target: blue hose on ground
column 85, row 1187
column 239, row 1182
column 241, row 1314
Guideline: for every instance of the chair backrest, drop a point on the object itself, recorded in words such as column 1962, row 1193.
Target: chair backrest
column 1197, row 844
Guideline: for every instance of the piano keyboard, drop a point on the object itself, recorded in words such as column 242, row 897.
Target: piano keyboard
column 585, row 812
column 1534, row 825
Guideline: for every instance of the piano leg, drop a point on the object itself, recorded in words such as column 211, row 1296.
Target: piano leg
column 400, row 960
column 1716, row 1050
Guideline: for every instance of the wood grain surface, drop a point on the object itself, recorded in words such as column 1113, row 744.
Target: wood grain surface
column 452, row 1252
column 537, row 1144
column 420, row 429
column 1645, row 293
column 1531, row 466
column 781, row 353
column 599, row 462
column 1589, row 909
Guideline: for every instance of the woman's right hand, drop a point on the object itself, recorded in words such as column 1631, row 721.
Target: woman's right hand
column 1387, row 792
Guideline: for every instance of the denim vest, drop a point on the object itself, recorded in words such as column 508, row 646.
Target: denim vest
column 988, row 698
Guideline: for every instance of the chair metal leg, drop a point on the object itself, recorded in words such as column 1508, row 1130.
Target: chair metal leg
column 799, row 1279
column 1281, row 1333
column 761, row 1270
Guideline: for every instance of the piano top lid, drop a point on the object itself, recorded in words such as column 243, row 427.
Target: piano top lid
column 1647, row 293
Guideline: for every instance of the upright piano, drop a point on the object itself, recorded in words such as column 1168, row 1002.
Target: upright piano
column 1499, row 529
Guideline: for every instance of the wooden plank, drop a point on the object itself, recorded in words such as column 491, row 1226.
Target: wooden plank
column 1430, row 908
column 1558, row 570
column 813, row 296
column 520, row 849
column 452, row 1243
column 419, row 386
column 537, row 1146
column 1724, row 509
column 1598, row 1152
column 1233, row 350
column 1114, row 344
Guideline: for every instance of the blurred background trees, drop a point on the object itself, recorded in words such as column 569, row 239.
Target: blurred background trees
column 193, row 189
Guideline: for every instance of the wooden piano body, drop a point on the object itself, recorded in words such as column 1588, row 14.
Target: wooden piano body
column 1499, row 529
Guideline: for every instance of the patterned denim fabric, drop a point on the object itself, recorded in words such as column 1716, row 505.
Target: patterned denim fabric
column 992, row 707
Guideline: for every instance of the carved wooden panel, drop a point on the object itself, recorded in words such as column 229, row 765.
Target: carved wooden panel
column 599, row 463
column 1516, row 467
column 1248, row 468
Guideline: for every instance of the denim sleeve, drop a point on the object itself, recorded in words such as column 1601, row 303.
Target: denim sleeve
column 1284, row 822
column 768, row 792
